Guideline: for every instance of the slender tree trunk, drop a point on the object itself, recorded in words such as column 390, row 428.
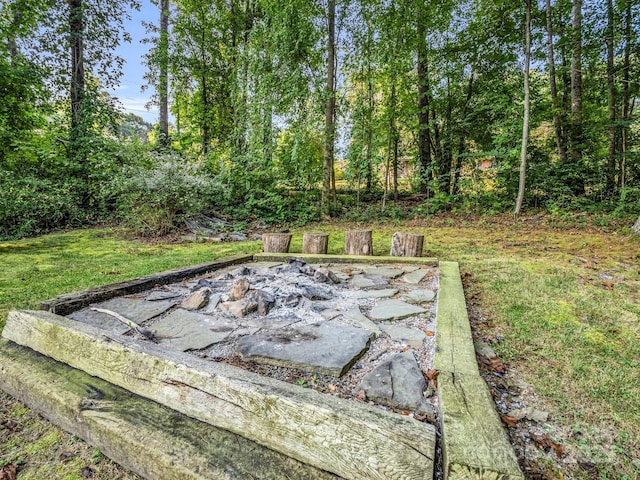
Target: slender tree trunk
column 329, row 110
column 369, row 145
column 424, row 140
column 14, row 52
column 576, row 95
column 462, row 143
column 635, row 230
column 163, row 81
column 77, row 90
column 527, row 102
column 611, row 90
column 566, row 90
column 204, row 94
column 553, row 88
column 445, row 160
column 625, row 96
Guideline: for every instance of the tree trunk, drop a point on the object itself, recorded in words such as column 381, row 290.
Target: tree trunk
column 315, row 242
column 406, row 245
column 330, row 108
column 527, row 102
column 358, row 242
column 77, row 90
column 369, row 145
column 553, row 88
column 163, row 81
column 636, row 227
column 625, row 96
column 424, row 140
column 576, row 91
column 276, row 242
column 611, row 91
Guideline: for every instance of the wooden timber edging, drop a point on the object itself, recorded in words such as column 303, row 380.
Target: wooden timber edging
column 142, row 436
column 70, row 302
column 352, row 440
column 313, row 258
column 474, row 442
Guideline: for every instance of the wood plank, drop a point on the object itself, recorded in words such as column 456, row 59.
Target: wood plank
column 474, row 443
column 324, row 259
column 144, row 437
column 454, row 344
column 70, row 302
column 352, row 440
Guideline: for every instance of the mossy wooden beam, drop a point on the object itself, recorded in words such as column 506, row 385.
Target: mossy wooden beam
column 349, row 439
column 144, row 437
column 474, row 443
column 314, row 258
column 70, row 302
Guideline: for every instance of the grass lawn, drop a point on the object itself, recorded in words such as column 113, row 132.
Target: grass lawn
column 560, row 303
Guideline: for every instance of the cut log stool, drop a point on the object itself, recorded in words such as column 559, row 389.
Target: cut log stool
column 276, row 242
column 406, row 245
column 315, row 242
column 358, row 242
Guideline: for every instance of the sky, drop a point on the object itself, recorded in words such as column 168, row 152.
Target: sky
column 129, row 92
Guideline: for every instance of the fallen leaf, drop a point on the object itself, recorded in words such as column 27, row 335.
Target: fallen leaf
column 405, row 412
column 544, row 442
column 361, row 395
column 66, row 455
column 510, row 421
column 9, row 472
column 11, row 425
column 419, row 417
column 87, row 472
column 428, row 333
column 432, row 374
column 332, row 388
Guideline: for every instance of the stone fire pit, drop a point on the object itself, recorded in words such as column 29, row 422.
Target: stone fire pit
column 285, row 367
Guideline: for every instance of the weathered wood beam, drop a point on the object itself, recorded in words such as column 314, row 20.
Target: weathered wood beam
column 70, row 302
column 474, row 443
column 324, row 259
column 352, row 440
column 142, row 436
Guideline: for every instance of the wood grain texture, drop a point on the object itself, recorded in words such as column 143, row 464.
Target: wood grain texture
column 70, row 302
column 146, row 438
column 406, row 244
column 349, row 439
column 315, row 243
column 358, row 242
column 276, row 242
column 326, row 259
column 474, row 443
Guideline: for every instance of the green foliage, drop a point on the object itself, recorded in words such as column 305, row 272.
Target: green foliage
column 153, row 197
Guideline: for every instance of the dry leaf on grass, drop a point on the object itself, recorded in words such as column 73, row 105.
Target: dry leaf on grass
column 361, row 395
column 510, row 421
column 544, row 442
column 9, row 472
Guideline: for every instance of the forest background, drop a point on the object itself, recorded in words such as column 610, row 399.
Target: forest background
column 287, row 110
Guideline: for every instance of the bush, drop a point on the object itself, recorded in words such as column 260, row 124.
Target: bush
column 153, row 199
column 30, row 205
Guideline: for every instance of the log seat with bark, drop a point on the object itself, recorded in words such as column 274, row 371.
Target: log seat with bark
column 315, row 243
column 406, row 244
column 276, row 242
column 358, row 242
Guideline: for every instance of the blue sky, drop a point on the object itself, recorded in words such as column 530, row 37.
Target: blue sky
column 129, row 91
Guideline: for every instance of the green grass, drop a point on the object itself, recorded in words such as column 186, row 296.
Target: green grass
column 567, row 330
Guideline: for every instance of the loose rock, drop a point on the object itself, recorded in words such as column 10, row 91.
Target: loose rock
column 239, row 289
column 197, row 299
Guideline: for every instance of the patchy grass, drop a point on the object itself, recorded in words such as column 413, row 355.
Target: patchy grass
column 561, row 297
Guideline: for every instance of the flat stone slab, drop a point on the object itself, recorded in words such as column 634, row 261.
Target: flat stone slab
column 398, row 383
column 134, row 309
column 394, row 310
column 411, row 336
column 355, row 316
column 419, row 296
column 184, row 330
column 363, row 282
column 386, row 272
column 383, row 293
column 416, row 276
column 328, row 348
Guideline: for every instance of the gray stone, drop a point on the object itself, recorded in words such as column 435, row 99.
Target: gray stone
column 266, row 302
column 157, row 295
column 394, row 310
column 291, row 300
column 398, row 383
column 419, row 296
column 383, row 293
column 386, row 272
column 325, row 348
column 330, row 313
column 239, row 289
column 134, row 309
column 237, row 237
column 211, row 307
column 239, row 308
column 537, row 415
column 196, row 300
column 362, row 282
column 484, row 350
column 357, row 318
column 324, row 275
column 315, row 293
column 411, row 336
column 416, row 276
column 184, row 330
